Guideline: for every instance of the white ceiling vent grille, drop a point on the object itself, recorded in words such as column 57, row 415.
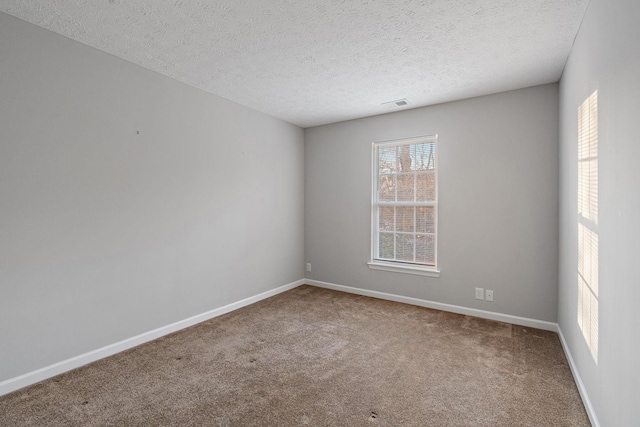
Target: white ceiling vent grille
column 396, row 104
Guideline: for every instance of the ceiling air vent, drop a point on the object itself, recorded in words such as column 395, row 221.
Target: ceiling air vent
column 395, row 104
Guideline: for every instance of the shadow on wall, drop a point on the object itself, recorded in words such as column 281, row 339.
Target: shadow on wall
column 588, row 222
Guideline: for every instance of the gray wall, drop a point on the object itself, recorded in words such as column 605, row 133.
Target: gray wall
column 498, row 211
column 106, row 233
column 606, row 58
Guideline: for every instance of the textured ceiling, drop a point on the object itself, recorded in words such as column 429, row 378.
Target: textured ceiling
column 313, row 62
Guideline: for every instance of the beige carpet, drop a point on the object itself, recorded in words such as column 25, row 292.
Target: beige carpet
column 317, row 357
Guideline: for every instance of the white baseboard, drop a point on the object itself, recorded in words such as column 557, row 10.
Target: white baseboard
column 30, row 378
column 507, row 318
column 576, row 376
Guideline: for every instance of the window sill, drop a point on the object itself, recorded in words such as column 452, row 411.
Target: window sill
column 403, row 268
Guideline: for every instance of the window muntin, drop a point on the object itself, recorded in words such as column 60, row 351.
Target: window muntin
column 404, row 208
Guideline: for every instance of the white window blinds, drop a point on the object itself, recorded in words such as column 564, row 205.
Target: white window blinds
column 588, row 283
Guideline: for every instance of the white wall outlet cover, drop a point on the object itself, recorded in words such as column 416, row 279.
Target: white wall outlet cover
column 479, row 293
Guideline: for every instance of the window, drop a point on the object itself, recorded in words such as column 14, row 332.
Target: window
column 404, row 206
column 588, row 287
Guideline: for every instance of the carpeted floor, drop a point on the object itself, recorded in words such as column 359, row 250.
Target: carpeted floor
column 317, row 357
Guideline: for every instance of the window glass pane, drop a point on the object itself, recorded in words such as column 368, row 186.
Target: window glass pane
column 425, row 219
column 405, row 218
column 385, row 245
column 424, row 156
column 405, row 188
column 387, row 188
column 593, row 190
column 404, row 158
column 583, row 178
column 426, row 186
column 404, row 247
column 386, row 218
column 386, row 160
column 425, row 249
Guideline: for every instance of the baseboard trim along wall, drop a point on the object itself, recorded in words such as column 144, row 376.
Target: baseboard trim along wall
column 30, row 378
column 507, row 318
column 576, row 376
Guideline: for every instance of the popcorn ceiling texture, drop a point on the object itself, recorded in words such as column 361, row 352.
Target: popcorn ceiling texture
column 321, row 61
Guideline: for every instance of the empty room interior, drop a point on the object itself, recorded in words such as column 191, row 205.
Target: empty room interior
column 319, row 212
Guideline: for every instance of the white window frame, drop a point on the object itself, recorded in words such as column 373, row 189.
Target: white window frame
column 400, row 266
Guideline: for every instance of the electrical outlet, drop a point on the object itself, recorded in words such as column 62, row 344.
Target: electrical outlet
column 489, row 295
column 308, row 266
column 479, row 293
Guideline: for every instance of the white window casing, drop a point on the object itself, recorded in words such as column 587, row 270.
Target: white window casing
column 404, row 208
